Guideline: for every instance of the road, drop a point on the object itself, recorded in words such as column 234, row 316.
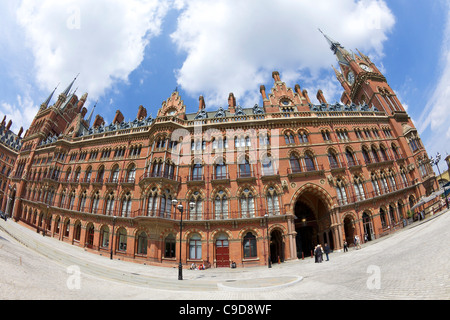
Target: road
column 410, row 264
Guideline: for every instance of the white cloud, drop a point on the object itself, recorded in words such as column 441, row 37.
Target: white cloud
column 433, row 122
column 233, row 46
column 103, row 40
column 21, row 113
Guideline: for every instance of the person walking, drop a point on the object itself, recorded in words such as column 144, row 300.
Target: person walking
column 326, row 249
column 345, row 246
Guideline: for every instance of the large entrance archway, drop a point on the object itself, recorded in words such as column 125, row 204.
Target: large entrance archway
column 312, row 221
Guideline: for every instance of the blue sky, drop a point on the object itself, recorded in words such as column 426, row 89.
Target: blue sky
column 136, row 52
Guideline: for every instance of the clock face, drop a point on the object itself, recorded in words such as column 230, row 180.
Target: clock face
column 365, row 67
column 351, row 77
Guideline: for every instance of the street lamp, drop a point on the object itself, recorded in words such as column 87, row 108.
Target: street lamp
column 180, row 208
column 269, row 262
column 112, row 239
column 436, row 162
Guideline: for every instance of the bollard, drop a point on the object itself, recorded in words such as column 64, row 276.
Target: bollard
column 303, row 255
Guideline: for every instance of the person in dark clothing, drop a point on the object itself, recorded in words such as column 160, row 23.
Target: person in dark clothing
column 345, row 246
column 326, row 249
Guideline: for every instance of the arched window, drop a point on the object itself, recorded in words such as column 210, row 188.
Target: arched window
column 95, row 202
column 82, row 204
column 100, row 174
column 169, row 246
column 303, row 137
column 295, row 163
column 366, row 156
column 166, row 205
column 332, row 158
column 249, row 246
column 126, row 205
column 195, row 247
column 197, row 172
column 289, row 138
column 131, row 174
column 77, row 231
column 359, row 189
column 221, row 205
column 156, row 169
column 244, row 168
column 273, row 207
column 115, row 174
column 376, row 187
column 267, row 166
column 122, row 240
column 88, row 175
column 309, row 162
column 71, row 200
column 142, row 243
column 109, row 208
column 341, row 193
column 220, row 169
column 195, row 213
column 350, row 157
column 375, row 154
column 152, row 203
column 247, row 204
column 104, row 237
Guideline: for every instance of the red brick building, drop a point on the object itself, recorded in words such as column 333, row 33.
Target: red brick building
column 287, row 172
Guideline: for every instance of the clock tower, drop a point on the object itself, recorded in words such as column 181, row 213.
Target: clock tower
column 363, row 82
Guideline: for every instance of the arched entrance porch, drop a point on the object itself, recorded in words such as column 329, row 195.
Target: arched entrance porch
column 312, row 220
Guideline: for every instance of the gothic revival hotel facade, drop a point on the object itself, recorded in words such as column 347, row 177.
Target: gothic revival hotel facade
column 260, row 183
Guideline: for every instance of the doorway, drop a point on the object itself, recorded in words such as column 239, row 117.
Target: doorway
column 276, row 247
column 222, row 252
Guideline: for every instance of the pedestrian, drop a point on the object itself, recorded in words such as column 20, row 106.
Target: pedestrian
column 345, row 246
column 318, row 254
column 326, row 250
column 316, row 257
column 358, row 242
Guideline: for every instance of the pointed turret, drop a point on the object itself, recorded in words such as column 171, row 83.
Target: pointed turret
column 46, row 103
column 67, row 91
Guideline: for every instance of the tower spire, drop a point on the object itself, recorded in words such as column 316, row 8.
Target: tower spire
column 47, row 102
column 338, row 50
column 92, row 113
column 67, row 91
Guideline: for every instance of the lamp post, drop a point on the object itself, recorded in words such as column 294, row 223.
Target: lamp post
column 269, row 262
column 112, row 239
column 180, row 208
column 436, row 162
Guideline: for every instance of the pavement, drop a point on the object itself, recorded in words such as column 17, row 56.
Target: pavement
column 413, row 264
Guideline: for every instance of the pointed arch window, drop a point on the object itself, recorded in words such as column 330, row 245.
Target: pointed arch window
column 109, row 208
column 220, row 169
column 333, row 159
column 341, row 192
column 247, row 202
column 95, row 202
column 309, row 162
column 126, row 205
column 244, row 168
column 131, row 174
column 295, row 163
column 359, row 189
column 152, row 203
column 195, row 213
column 221, row 205
column 142, row 243
column 273, row 207
column 249, row 246
column 197, row 172
column 82, row 204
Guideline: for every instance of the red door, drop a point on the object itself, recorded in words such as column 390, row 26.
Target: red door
column 222, row 254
